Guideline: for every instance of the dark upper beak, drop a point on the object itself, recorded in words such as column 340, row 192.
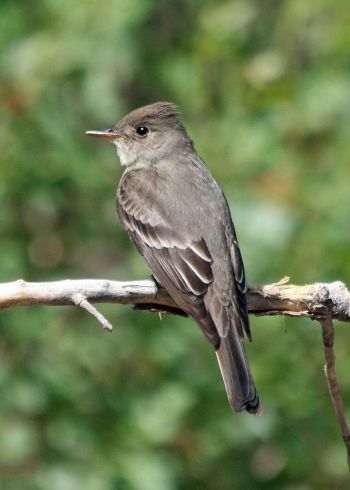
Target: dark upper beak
column 107, row 134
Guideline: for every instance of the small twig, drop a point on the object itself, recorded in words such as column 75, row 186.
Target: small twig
column 80, row 300
column 328, row 342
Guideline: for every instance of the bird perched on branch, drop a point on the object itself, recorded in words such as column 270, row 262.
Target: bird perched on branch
column 179, row 220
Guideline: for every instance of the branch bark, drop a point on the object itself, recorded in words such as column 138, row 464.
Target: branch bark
column 317, row 301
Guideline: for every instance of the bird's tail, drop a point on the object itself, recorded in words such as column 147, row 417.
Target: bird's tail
column 239, row 384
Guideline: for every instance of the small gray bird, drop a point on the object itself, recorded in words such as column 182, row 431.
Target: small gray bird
column 179, row 220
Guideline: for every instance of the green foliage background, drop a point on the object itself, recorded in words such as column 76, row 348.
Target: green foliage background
column 264, row 89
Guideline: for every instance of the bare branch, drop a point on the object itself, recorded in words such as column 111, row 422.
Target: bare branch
column 316, row 301
column 334, row 391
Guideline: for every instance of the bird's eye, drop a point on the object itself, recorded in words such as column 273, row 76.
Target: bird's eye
column 142, row 130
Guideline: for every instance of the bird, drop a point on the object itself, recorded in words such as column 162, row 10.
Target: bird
column 179, row 220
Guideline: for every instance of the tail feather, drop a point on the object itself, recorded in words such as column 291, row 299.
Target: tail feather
column 239, row 384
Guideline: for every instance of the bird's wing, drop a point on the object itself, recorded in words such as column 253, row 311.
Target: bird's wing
column 178, row 257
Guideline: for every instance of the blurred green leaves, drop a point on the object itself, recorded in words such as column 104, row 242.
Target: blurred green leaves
column 263, row 88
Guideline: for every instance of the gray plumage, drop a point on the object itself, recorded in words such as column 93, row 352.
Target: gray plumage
column 179, row 220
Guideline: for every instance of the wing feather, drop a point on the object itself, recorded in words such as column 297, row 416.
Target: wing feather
column 198, row 266
column 185, row 262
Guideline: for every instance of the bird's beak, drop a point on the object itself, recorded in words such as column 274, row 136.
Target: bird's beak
column 107, row 134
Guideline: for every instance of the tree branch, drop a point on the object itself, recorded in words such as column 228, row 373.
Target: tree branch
column 317, row 301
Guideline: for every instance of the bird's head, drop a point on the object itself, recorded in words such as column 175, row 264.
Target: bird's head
column 146, row 135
